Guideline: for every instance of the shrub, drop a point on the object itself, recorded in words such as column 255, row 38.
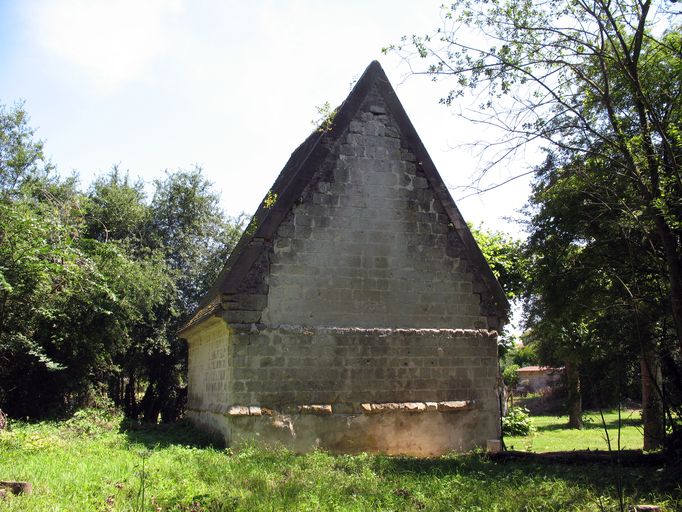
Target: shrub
column 517, row 422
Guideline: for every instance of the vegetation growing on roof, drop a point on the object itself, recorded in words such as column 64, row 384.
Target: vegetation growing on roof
column 325, row 117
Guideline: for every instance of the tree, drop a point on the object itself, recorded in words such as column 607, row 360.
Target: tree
column 594, row 82
column 69, row 305
column 117, row 209
column 184, row 228
column 21, row 156
column 597, row 79
column 117, row 214
column 506, row 257
column 595, row 293
column 94, row 286
column 524, row 353
column 37, row 259
column 188, row 227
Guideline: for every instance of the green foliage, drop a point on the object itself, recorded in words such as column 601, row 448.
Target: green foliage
column 41, row 266
column 517, row 422
column 523, row 355
column 21, row 157
column 116, row 209
column 69, row 304
column 325, row 117
column 188, row 225
column 510, row 375
column 94, row 286
column 506, row 258
column 102, row 471
column 195, row 238
column 93, row 421
column 270, row 200
column 598, row 291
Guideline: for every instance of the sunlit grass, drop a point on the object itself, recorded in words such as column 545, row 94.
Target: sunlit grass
column 75, row 466
column 552, row 433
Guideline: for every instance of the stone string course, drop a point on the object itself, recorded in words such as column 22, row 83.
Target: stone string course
column 364, row 408
column 375, row 331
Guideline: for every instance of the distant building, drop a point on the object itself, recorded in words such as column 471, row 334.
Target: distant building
column 535, row 379
column 357, row 312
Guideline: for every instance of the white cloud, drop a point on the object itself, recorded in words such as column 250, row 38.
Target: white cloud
column 112, row 41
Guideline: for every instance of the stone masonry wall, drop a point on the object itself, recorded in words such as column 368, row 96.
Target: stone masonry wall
column 411, row 391
column 369, row 244
column 281, row 367
column 209, row 369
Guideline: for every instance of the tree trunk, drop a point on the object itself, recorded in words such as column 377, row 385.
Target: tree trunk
column 149, row 405
column 172, row 410
column 574, row 400
column 653, row 419
column 129, row 399
column 115, row 392
column 672, row 257
column 673, row 374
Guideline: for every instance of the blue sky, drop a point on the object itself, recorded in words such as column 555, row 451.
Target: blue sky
column 231, row 86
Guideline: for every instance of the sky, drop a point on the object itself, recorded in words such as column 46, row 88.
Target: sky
column 231, row 86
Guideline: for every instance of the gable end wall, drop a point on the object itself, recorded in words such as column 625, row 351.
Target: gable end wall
column 369, row 244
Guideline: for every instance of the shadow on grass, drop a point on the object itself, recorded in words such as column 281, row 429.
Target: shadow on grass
column 646, row 481
column 167, row 434
column 516, row 472
column 561, row 424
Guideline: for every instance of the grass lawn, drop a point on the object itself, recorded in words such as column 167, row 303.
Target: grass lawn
column 96, row 462
column 552, row 435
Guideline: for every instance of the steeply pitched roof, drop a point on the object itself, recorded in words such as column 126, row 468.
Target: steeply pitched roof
column 299, row 171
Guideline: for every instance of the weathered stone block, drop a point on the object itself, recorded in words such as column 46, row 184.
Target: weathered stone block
column 454, row 405
column 356, row 127
column 431, row 406
column 493, row 446
column 238, row 410
column 318, row 409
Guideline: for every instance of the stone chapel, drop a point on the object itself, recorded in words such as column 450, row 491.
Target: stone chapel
column 356, row 312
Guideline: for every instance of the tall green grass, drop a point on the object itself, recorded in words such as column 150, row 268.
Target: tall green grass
column 95, row 462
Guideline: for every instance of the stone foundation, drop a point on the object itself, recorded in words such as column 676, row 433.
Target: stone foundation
column 421, row 435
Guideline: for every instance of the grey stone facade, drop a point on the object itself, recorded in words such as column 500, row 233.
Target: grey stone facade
column 369, row 244
column 356, row 313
